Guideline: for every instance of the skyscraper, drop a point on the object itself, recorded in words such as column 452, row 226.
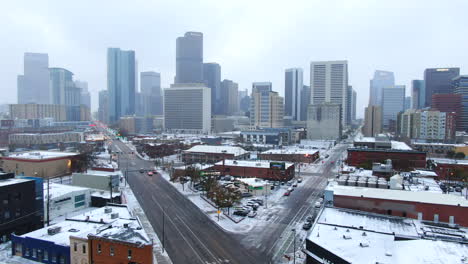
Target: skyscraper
column 353, row 106
column 407, row 103
column 33, row 85
column 460, row 86
column 151, row 95
column 85, row 95
column 305, row 101
column 382, row 79
column 349, row 104
column 393, row 102
column 329, row 83
column 324, row 121
column 103, row 109
column 189, row 58
column 187, row 107
column 212, row 79
column 229, row 97
column 418, row 94
column 62, row 88
column 120, row 83
column 293, row 85
column 266, row 107
column 439, row 81
column 372, row 121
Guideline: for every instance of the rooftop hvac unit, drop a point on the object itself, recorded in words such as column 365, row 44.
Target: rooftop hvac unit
column 53, row 230
column 114, row 215
column 107, row 210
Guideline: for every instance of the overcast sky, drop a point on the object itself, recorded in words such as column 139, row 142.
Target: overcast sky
column 251, row 40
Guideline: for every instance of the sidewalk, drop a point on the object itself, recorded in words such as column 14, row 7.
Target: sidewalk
column 134, row 206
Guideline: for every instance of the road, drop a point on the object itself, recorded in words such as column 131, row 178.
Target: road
column 189, row 235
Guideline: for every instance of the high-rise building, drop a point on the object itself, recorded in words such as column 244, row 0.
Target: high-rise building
column 324, row 121
column 103, row 109
column 460, row 86
column 439, row 81
column 266, row 107
column 353, row 106
column 382, row 79
column 329, row 83
column 33, row 85
column 372, row 121
column 293, row 85
column 187, row 107
column 349, row 104
column 120, row 83
column 393, row 102
column 85, row 94
column 427, row 125
column 305, row 101
column 407, row 103
column 212, row 79
column 62, row 88
column 229, row 97
column 189, row 58
column 449, row 103
column 418, row 93
column 151, row 96
column 244, row 101
column 38, row 111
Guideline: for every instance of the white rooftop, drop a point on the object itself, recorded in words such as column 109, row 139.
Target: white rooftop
column 399, row 195
column 400, row 145
column 100, row 213
column 38, row 155
column 251, row 163
column 11, row 181
column 425, row 173
column 291, row 151
column 100, row 173
column 449, row 161
column 236, row 151
column 254, row 182
column 57, row 190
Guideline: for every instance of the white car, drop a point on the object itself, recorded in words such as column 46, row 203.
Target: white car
column 318, row 204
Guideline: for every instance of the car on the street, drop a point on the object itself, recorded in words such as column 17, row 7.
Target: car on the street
column 286, row 193
column 307, row 225
column 150, row 173
column 142, row 170
column 289, row 184
column 299, row 180
column 290, row 189
column 310, row 218
column 320, row 200
column 317, row 205
column 252, row 214
column 294, row 184
column 258, row 201
column 246, row 194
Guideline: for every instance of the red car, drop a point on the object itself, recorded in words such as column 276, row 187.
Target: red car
column 286, row 193
column 150, row 173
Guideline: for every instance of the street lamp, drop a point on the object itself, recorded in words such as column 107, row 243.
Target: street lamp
column 294, row 250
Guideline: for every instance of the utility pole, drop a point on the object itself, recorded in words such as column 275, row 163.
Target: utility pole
column 294, row 256
column 163, row 236
column 110, row 187
column 48, row 198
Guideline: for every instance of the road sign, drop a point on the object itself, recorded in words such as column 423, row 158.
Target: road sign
column 219, row 211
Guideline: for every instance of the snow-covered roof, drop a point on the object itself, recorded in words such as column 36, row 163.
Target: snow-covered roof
column 39, row 155
column 57, row 190
column 251, row 163
column 365, row 139
column 302, row 151
column 449, row 161
column 399, row 195
column 100, row 173
column 424, row 173
column 400, row 145
column 195, row 165
column 12, row 181
column 360, row 237
column 125, row 230
column 100, row 213
column 236, row 151
column 254, row 182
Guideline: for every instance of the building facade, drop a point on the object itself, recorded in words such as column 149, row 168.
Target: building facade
column 121, row 83
column 62, row 88
column 401, row 159
column 393, row 102
column 33, row 85
column 418, row 94
column 381, row 80
column 305, row 101
column 85, row 94
column 189, row 58
column 229, row 99
column 293, row 85
column 449, row 103
column 212, row 80
column 266, row 106
column 38, row 111
column 329, row 84
column 427, row 125
column 103, row 110
column 31, row 139
column 324, row 121
column 271, row 170
column 188, row 108
column 150, row 92
column 460, row 86
column 438, row 81
column 372, row 121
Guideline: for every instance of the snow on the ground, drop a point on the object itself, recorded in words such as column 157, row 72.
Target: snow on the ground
column 6, row 257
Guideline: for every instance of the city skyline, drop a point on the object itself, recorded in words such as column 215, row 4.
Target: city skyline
column 225, row 42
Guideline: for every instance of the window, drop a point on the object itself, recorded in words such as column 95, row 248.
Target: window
column 75, row 246
column 112, row 252
column 26, row 252
column 62, row 260
column 46, row 255
column 18, row 249
column 389, row 212
column 99, row 248
column 18, row 212
column 54, row 258
column 79, row 200
column 129, row 254
column 84, row 249
column 34, row 253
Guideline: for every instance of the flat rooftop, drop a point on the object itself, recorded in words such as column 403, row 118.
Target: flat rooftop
column 300, row 151
column 58, row 190
column 236, row 151
column 12, row 181
column 41, row 155
column 449, row 161
column 360, row 237
column 252, row 163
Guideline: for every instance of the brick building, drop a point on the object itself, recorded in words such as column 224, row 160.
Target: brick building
column 422, row 205
column 271, row 170
column 291, row 155
column 449, row 103
column 212, row 154
column 451, row 170
column 401, row 159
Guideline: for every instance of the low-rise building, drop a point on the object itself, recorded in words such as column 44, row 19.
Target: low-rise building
column 17, row 207
column 440, row 149
column 64, row 199
column 255, row 186
column 401, row 159
column 97, row 179
column 29, row 139
column 270, row 170
column 212, row 154
column 39, row 163
column 268, row 136
column 451, row 170
column 290, row 154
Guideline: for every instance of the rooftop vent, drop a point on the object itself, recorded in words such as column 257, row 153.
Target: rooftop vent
column 364, row 234
column 53, row 230
column 73, row 230
column 363, row 244
column 346, row 237
column 125, row 225
column 107, row 210
column 114, row 215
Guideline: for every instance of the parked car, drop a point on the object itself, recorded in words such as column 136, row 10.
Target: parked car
column 286, row 193
column 290, row 189
column 289, row 184
column 320, row 200
column 318, row 204
column 252, row 214
column 310, row 218
column 294, row 184
column 247, row 195
column 241, row 213
column 299, row 180
column 142, row 170
column 150, row 173
column 307, row 225
column 259, row 201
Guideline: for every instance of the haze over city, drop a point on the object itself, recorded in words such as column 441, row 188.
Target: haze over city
column 251, row 40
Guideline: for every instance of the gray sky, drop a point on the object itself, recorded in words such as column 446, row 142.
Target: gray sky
column 252, row 40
